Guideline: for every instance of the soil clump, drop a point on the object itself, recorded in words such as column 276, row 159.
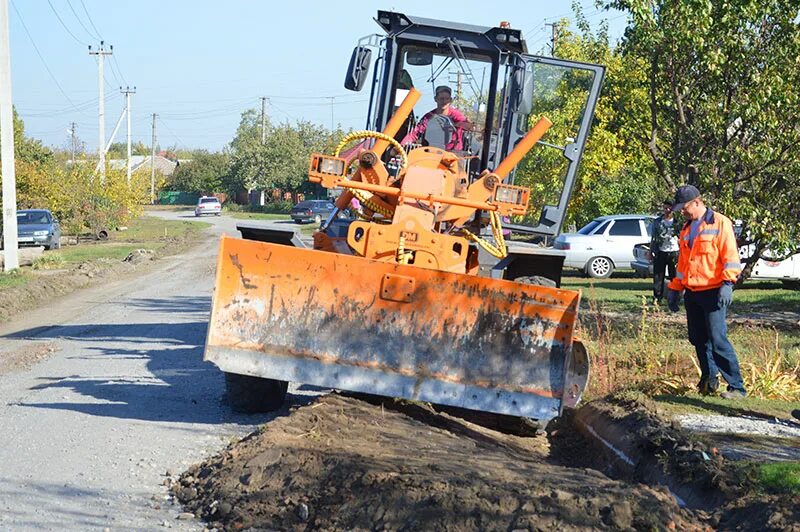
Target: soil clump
column 346, row 464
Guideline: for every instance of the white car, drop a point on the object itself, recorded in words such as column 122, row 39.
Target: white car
column 208, row 205
column 605, row 244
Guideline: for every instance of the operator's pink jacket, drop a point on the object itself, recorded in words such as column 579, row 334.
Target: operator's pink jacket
column 456, row 143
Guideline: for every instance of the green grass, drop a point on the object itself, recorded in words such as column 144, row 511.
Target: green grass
column 782, row 477
column 624, row 293
column 259, row 216
column 151, row 229
column 109, row 250
column 12, row 279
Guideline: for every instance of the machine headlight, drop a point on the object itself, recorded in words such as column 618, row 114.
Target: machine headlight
column 41, row 233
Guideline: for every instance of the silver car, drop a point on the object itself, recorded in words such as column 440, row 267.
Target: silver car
column 605, row 244
column 208, row 205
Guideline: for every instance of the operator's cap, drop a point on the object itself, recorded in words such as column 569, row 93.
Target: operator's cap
column 684, row 195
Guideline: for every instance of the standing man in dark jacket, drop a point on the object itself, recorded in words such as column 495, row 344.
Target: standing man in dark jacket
column 708, row 265
column 664, row 248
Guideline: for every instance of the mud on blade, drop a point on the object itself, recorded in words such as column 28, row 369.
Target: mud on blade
column 350, row 323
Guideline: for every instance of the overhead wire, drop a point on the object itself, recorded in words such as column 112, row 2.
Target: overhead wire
column 36, row 48
column 64, row 25
column 80, row 21
column 90, row 20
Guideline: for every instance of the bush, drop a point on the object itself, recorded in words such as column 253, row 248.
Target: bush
column 278, row 207
column 48, row 261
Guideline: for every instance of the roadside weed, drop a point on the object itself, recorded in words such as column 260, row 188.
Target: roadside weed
column 770, row 378
column 49, row 261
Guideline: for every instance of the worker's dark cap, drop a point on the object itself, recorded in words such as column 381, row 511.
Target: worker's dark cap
column 684, row 195
column 443, row 88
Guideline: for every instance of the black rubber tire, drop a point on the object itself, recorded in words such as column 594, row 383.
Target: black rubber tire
column 537, row 280
column 790, row 284
column 599, row 268
column 251, row 395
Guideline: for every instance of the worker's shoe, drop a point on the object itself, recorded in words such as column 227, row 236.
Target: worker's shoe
column 706, row 387
column 733, row 394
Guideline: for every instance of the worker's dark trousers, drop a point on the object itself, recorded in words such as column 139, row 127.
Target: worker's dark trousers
column 663, row 262
column 708, row 333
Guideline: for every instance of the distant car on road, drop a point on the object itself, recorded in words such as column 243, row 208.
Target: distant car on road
column 312, row 211
column 605, row 244
column 208, row 205
column 37, row 227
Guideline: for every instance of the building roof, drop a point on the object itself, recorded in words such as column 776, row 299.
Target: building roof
column 142, row 162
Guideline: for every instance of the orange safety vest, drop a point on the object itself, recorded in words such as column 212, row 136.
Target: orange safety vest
column 712, row 260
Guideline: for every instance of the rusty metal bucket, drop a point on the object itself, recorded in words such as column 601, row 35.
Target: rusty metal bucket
column 350, row 323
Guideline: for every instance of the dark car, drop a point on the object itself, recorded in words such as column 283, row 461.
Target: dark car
column 312, row 211
column 38, row 227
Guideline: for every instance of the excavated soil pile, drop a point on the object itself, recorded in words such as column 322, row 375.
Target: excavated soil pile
column 658, row 451
column 345, row 464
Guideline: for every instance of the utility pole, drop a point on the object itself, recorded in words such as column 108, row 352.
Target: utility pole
column 553, row 37
column 11, row 254
column 127, row 92
column 458, row 85
column 264, row 101
column 153, row 164
column 73, row 141
column 101, row 144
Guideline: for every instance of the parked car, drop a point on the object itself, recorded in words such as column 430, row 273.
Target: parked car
column 605, row 244
column 208, row 205
column 642, row 260
column 37, row 227
column 787, row 271
column 312, row 210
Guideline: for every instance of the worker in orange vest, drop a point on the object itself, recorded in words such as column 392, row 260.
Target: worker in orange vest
column 708, row 266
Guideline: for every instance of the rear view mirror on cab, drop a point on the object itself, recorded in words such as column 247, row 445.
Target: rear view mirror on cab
column 419, row 57
column 358, row 69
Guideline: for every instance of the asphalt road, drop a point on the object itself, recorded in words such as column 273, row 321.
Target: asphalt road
column 88, row 434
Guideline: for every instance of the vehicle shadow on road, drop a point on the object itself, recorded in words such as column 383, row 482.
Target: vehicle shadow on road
column 151, row 371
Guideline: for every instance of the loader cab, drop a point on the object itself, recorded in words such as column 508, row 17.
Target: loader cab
column 501, row 90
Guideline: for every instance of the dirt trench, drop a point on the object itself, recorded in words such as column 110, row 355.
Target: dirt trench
column 342, row 463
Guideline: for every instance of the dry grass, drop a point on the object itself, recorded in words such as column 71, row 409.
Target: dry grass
column 651, row 353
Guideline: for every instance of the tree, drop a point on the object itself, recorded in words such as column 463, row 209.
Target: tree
column 281, row 160
column 616, row 175
column 119, row 150
column 204, row 173
column 724, row 107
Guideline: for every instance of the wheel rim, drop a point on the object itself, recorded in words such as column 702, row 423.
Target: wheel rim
column 600, row 267
column 318, row 219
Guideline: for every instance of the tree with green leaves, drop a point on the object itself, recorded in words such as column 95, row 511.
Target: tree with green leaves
column 616, row 175
column 281, row 160
column 119, row 150
column 723, row 88
column 205, row 173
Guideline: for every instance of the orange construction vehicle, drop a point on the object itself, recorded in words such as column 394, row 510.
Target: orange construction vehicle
column 423, row 297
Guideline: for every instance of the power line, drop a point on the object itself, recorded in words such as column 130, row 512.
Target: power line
column 28, row 33
column 119, row 69
column 114, row 62
column 90, row 20
column 180, row 142
column 64, row 25
column 81, row 22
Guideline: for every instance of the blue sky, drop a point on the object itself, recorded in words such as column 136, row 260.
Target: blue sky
column 199, row 64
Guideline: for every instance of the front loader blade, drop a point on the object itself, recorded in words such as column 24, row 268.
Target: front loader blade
column 350, row 323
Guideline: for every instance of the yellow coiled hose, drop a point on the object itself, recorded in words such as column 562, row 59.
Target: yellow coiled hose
column 363, row 196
